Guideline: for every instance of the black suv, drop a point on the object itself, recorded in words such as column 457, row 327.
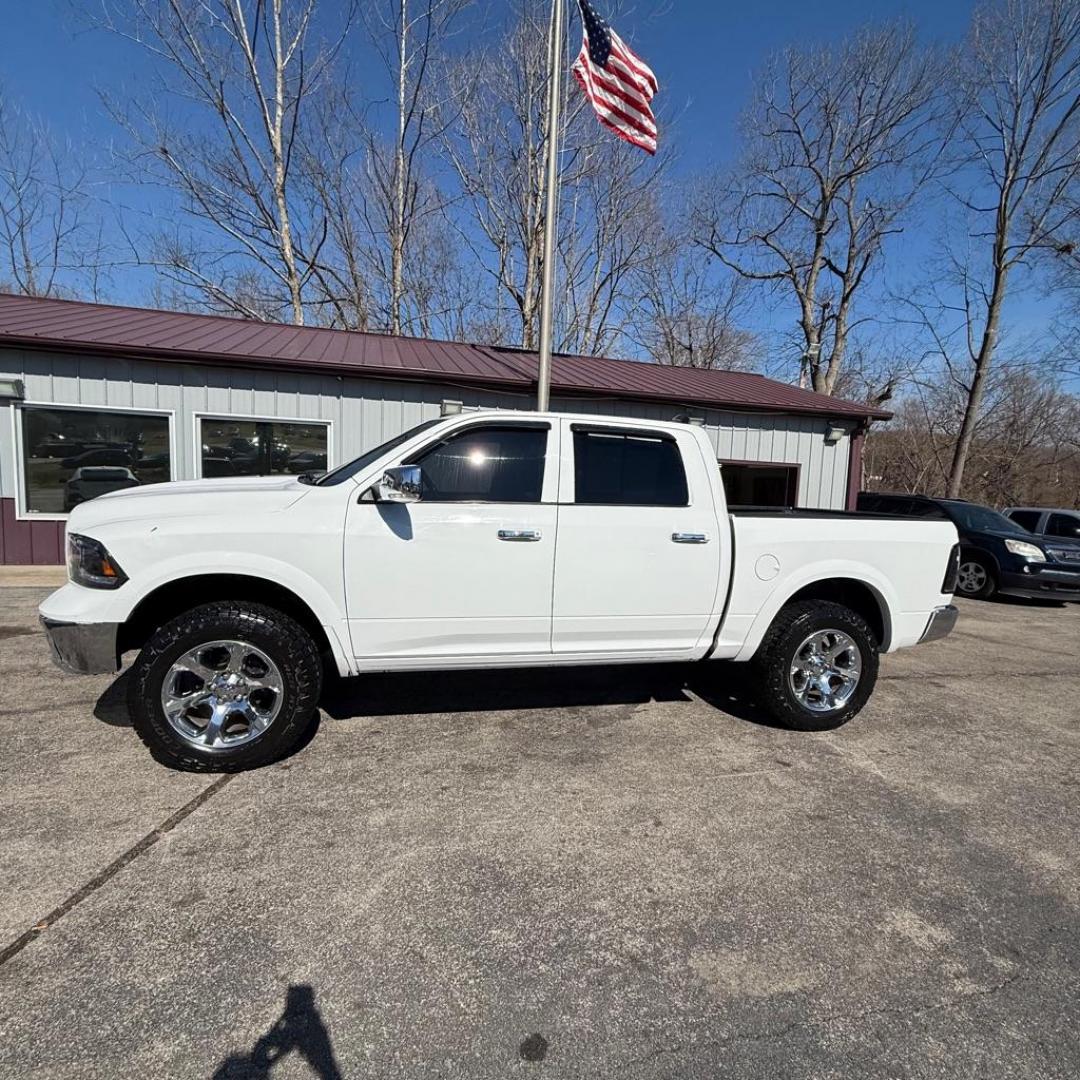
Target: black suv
column 996, row 554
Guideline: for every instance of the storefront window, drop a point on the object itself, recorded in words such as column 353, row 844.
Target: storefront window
column 261, row 448
column 72, row 455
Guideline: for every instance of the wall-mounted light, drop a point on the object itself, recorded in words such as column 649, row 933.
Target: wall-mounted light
column 834, row 432
column 451, row 408
column 12, row 390
column 686, row 418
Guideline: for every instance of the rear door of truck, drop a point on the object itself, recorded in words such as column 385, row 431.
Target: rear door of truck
column 641, row 551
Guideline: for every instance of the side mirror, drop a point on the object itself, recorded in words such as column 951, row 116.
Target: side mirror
column 401, row 484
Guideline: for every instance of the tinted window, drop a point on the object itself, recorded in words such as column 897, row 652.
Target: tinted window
column 489, row 464
column 261, row 447
column 1064, row 525
column 923, row 509
column 871, row 504
column 980, row 518
column 1028, row 519
column 72, row 455
column 886, row 504
column 899, row 506
column 627, row 470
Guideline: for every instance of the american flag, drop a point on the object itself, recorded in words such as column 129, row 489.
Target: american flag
column 619, row 84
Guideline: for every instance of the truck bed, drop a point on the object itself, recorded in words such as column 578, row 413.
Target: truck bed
column 779, row 551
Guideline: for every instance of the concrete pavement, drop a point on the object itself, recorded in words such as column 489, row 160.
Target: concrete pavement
column 600, row 873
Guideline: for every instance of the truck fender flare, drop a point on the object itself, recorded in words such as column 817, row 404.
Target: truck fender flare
column 833, row 570
column 328, row 611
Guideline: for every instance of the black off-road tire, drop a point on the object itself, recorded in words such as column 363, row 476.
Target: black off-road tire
column 283, row 639
column 772, row 663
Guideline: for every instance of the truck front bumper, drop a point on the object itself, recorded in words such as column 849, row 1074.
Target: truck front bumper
column 83, row 648
column 942, row 620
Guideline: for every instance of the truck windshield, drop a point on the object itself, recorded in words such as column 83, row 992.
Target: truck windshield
column 348, row 471
column 981, row 518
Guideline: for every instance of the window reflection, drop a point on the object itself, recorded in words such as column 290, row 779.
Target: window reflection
column 489, row 464
column 261, row 448
column 72, row 455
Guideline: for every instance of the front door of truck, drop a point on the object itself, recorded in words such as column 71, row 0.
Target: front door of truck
column 638, row 561
column 466, row 572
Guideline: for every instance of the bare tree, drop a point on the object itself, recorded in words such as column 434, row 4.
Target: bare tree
column 1017, row 90
column 407, row 34
column 244, row 72
column 689, row 316
column 837, row 148
column 497, row 150
column 373, row 178
column 344, row 281
column 48, row 239
column 497, row 153
column 1025, row 449
column 608, row 228
column 355, row 281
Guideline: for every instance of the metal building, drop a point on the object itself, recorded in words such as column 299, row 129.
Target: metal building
column 95, row 398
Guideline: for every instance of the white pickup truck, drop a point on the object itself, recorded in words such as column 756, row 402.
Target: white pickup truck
column 487, row 539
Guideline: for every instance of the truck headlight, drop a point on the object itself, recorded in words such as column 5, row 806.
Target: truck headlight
column 1026, row 550
column 91, row 565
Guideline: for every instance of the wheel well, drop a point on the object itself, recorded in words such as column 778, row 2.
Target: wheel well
column 978, row 554
column 853, row 594
column 176, row 597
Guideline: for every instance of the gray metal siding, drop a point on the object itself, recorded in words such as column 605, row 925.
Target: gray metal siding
column 365, row 412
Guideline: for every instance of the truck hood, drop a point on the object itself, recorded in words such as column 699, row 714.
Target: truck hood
column 180, row 498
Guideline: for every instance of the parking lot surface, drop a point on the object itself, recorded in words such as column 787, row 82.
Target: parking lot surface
column 586, row 873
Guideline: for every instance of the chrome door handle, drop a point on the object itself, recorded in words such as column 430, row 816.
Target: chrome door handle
column 689, row 538
column 520, row 535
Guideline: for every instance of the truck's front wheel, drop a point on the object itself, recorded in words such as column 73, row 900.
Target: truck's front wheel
column 817, row 665
column 225, row 686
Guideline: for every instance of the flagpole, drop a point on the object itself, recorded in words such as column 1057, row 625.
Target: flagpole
column 551, row 200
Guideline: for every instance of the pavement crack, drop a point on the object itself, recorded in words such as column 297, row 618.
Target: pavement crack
column 114, row 868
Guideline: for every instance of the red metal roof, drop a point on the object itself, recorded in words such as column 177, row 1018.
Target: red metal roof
column 69, row 325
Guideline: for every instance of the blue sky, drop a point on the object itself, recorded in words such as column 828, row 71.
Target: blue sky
column 704, row 53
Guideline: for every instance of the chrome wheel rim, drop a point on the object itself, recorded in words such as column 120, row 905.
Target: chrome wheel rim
column 971, row 577
column 825, row 671
column 222, row 694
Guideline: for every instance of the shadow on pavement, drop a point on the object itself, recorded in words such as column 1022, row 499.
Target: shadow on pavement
column 112, row 706
column 1025, row 601
column 724, row 686
column 299, row 1028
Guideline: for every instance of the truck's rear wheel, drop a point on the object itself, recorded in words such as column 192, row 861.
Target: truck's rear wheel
column 817, row 665
column 225, row 686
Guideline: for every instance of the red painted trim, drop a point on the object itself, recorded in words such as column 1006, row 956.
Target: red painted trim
column 854, row 471
column 29, row 543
